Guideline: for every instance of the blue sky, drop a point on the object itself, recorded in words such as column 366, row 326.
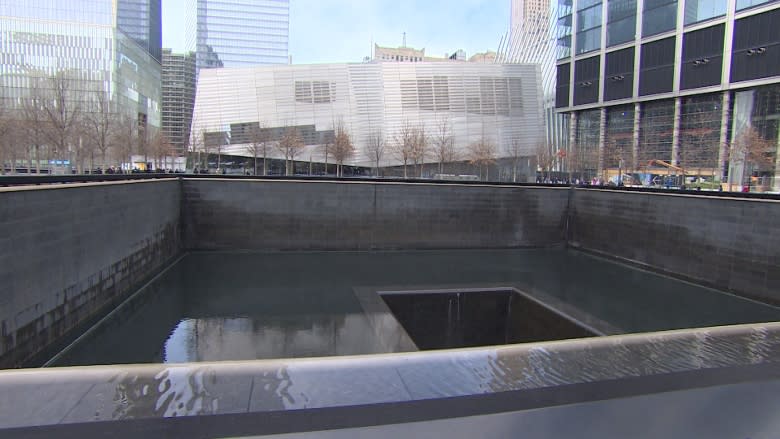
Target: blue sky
column 324, row 31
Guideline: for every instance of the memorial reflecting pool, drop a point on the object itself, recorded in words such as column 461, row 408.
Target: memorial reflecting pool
column 242, row 306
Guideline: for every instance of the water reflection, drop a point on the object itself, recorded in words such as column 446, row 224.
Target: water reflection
column 234, row 306
column 243, row 338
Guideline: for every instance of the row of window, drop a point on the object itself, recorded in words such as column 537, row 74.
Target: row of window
column 755, row 54
column 315, row 92
column 658, row 16
column 400, row 58
column 477, row 95
column 699, row 140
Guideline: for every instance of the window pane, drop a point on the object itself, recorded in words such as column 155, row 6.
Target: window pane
column 564, row 7
column 621, row 31
column 564, row 47
column 582, row 4
column 699, row 10
column 660, row 19
column 743, row 4
column 589, row 40
column 564, row 26
column 620, row 9
column 621, row 20
column 589, row 18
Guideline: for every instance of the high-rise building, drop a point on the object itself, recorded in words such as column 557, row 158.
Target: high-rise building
column 141, row 20
column 238, row 33
column 527, row 10
column 91, row 50
column 687, row 87
column 178, row 97
column 532, row 39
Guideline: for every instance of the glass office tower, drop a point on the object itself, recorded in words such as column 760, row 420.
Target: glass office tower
column 658, row 87
column 141, row 20
column 239, row 33
column 107, row 46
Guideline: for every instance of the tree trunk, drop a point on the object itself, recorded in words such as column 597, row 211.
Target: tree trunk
column 326, row 161
column 255, row 173
column 265, row 160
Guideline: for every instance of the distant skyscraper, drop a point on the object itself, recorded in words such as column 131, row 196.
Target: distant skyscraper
column 141, row 20
column 527, row 10
column 178, row 97
column 531, row 39
column 238, row 33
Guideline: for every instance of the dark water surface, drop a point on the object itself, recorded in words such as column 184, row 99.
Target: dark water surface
column 239, row 306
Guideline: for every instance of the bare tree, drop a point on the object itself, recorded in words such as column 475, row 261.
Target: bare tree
column 618, row 153
column 754, row 151
column 62, row 110
column 84, row 148
column 100, row 122
column 545, row 158
column 160, row 148
column 125, row 139
column 342, row 147
column 444, row 144
column 699, row 142
column 403, row 145
column 200, row 148
column 259, row 138
column 327, row 147
column 375, row 147
column 7, row 141
column 290, row 146
column 33, row 121
column 514, row 150
column 420, row 150
column 482, row 153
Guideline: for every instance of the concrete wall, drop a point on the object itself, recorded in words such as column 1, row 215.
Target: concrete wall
column 304, row 215
column 68, row 252
column 729, row 243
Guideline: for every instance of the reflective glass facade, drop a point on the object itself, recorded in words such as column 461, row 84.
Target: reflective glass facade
column 619, row 142
column 700, row 10
column 659, row 16
column 678, row 98
column 621, row 25
column 564, row 28
column 43, row 38
column 744, row 4
column 656, row 131
column 141, row 20
column 588, row 26
column 240, row 33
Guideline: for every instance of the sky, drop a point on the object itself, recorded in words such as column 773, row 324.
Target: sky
column 327, row 31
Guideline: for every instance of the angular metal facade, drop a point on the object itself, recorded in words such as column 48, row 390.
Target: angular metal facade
column 499, row 103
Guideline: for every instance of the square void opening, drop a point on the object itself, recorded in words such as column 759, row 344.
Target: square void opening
column 444, row 320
